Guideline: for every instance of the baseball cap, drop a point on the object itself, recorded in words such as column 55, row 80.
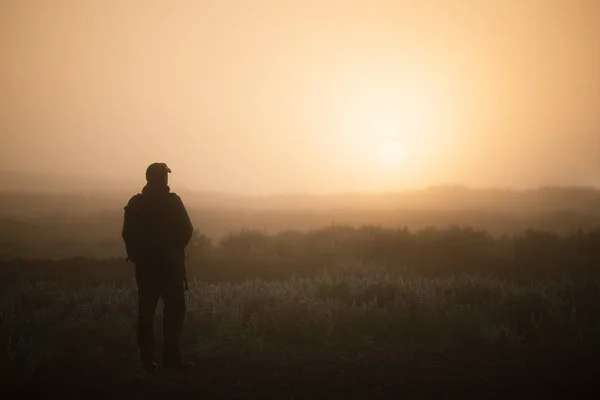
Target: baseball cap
column 157, row 169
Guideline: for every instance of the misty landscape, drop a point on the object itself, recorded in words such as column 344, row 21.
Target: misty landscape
column 271, row 199
column 405, row 294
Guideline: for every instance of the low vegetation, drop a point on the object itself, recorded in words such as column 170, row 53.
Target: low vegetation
column 352, row 308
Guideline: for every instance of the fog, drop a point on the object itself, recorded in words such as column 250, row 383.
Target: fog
column 261, row 97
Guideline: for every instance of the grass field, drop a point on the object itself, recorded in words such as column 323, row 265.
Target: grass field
column 355, row 335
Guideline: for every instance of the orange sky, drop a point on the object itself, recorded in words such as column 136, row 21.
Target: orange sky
column 304, row 96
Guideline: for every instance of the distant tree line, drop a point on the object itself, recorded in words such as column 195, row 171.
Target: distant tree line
column 252, row 254
column 98, row 234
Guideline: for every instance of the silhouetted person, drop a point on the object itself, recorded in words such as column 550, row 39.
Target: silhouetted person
column 156, row 230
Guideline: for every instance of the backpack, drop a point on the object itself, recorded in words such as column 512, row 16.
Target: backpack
column 156, row 228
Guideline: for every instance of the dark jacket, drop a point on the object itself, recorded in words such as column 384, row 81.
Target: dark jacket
column 156, row 227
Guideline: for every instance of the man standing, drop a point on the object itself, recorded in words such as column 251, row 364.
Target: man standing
column 156, row 230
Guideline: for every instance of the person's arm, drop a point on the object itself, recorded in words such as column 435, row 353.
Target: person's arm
column 186, row 229
column 129, row 232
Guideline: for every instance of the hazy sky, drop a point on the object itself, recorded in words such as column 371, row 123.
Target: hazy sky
column 304, row 96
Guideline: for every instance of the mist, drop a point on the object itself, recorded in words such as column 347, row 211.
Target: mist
column 263, row 97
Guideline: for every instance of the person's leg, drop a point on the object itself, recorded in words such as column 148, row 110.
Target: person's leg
column 174, row 314
column 148, row 294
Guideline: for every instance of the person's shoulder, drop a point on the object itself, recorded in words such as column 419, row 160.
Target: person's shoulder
column 134, row 200
column 176, row 201
column 174, row 197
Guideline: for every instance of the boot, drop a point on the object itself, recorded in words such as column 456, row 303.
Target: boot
column 179, row 366
column 150, row 367
column 147, row 359
column 172, row 359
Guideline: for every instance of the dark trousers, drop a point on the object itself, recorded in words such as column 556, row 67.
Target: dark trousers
column 156, row 281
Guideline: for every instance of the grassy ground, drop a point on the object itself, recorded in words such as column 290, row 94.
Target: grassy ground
column 361, row 335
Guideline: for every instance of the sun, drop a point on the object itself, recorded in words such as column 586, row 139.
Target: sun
column 391, row 133
column 384, row 127
column 382, row 135
column 390, row 153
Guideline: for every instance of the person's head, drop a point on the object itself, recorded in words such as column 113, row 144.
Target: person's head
column 157, row 174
